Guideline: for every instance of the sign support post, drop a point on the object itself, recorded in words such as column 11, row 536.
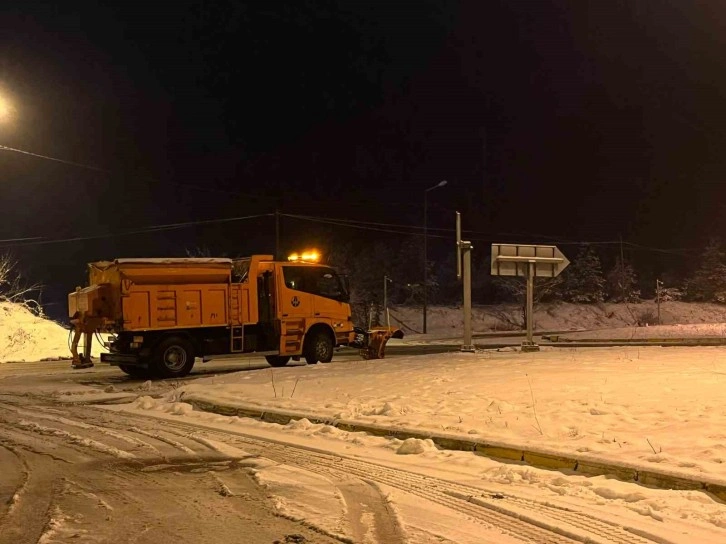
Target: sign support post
column 530, row 345
column 530, row 261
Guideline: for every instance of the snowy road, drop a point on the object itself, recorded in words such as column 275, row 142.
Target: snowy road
column 74, row 473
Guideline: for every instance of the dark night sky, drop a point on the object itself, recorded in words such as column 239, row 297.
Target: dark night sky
column 576, row 120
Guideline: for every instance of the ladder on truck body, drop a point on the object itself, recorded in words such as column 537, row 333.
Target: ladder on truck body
column 237, row 330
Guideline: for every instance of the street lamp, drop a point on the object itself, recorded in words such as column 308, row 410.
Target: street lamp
column 425, row 261
column 6, row 110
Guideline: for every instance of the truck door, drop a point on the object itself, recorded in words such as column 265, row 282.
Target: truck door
column 266, row 297
column 331, row 298
column 295, row 299
column 269, row 329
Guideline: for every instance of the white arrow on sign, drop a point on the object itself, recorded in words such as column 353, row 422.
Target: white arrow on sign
column 514, row 260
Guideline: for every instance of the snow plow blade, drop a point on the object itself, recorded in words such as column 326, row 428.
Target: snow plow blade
column 376, row 342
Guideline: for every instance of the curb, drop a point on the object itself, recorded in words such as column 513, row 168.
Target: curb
column 607, row 344
column 536, row 457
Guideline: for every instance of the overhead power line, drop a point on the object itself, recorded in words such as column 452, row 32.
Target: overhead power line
column 389, row 228
column 8, row 240
column 143, row 230
column 55, row 159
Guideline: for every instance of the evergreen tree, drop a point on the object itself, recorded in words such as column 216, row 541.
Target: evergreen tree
column 622, row 282
column 708, row 284
column 583, row 281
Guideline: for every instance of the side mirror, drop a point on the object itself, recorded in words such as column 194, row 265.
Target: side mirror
column 346, row 288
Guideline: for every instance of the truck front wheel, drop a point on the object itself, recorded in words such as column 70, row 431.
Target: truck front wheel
column 173, row 358
column 277, row 360
column 318, row 347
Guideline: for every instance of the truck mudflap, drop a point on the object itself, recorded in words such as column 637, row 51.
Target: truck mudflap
column 372, row 343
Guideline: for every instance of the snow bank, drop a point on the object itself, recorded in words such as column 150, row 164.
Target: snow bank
column 26, row 337
column 560, row 316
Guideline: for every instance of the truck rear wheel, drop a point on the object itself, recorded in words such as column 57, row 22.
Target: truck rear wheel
column 277, row 360
column 318, row 347
column 173, row 358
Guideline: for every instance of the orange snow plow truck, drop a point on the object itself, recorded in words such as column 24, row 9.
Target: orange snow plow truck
column 161, row 314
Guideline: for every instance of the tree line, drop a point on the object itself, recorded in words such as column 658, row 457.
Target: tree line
column 584, row 281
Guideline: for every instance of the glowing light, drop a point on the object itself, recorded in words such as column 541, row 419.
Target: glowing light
column 312, row 256
column 6, row 110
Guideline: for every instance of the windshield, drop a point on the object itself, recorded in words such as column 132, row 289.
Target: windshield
column 317, row 280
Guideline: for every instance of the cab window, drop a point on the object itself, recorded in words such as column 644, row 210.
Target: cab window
column 317, row 280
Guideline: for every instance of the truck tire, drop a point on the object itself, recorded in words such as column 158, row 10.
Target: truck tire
column 277, row 360
column 173, row 358
column 318, row 347
column 135, row 371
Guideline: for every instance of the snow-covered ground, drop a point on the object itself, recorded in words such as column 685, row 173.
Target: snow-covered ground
column 650, row 408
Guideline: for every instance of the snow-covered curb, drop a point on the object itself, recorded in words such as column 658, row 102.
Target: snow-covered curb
column 589, row 465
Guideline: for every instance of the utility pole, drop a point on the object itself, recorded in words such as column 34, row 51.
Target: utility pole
column 277, row 234
column 425, row 259
column 622, row 268
column 386, row 279
column 658, row 285
column 464, row 247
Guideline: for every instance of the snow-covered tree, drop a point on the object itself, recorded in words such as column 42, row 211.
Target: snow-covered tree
column 708, row 284
column 622, row 282
column 583, row 281
column 13, row 287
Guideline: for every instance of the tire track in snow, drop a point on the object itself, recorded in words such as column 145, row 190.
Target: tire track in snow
column 582, row 526
column 161, row 438
column 106, row 424
column 86, row 426
column 21, row 524
column 97, row 495
column 513, row 515
column 9, row 458
column 320, row 463
column 366, row 502
column 74, row 439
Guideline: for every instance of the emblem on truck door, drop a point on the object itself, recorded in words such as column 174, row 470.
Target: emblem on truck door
column 295, row 301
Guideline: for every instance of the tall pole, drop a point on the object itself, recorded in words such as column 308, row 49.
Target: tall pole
column 425, row 261
column 622, row 268
column 277, row 234
column 530, row 302
column 425, row 258
column 464, row 248
column 386, row 279
column 468, row 345
column 658, row 283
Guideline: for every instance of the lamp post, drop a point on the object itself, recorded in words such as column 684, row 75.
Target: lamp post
column 386, row 281
column 425, row 261
column 7, row 111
